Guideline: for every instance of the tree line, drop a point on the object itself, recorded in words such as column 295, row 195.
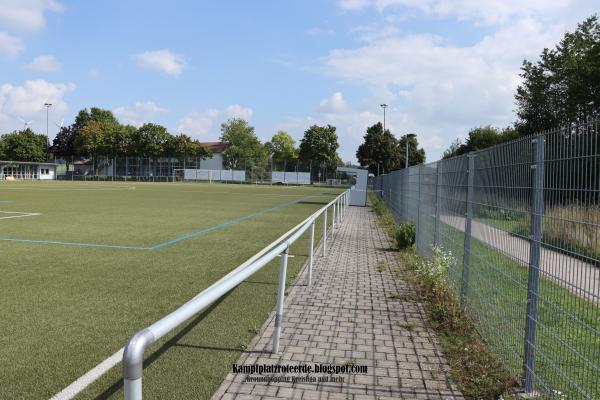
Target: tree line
column 319, row 144
column 97, row 133
column 382, row 152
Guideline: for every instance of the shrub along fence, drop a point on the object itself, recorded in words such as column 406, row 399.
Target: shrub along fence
column 522, row 221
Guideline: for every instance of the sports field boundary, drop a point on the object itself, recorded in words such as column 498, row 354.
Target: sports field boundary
column 84, row 381
column 20, row 214
column 163, row 244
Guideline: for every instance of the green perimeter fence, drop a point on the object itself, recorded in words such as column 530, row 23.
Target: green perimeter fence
column 522, row 222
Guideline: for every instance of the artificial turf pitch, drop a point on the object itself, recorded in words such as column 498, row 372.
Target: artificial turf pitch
column 96, row 262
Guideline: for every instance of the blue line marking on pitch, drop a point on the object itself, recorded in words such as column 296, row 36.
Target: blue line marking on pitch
column 230, row 222
column 160, row 245
column 110, row 246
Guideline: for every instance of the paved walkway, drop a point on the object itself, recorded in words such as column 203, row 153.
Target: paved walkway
column 576, row 275
column 353, row 314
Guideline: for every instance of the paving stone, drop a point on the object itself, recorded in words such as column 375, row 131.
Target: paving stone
column 349, row 316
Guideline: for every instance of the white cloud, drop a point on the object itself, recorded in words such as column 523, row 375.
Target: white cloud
column 353, row 4
column 93, row 72
column 138, row 113
column 10, row 46
column 203, row 124
column 442, row 90
column 334, row 104
column 161, row 60
column 44, row 63
column 26, row 15
column 27, row 101
column 480, row 11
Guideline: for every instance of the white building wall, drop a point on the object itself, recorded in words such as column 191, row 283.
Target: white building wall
column 46, row 172
column 216, row 162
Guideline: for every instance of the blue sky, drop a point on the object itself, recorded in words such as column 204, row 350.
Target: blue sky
column 443, row 66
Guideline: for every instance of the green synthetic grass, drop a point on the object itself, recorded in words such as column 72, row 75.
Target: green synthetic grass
column 67, row 308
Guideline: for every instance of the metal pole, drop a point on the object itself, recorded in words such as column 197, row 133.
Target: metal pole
column 436, row 237
column 418, row 224
column 280, row 299
column 406, row 153
column 47, row 105
column 469, row 217
column 333, row 221
column 533, row 281
column 133, row 389
column 325, row 233
column 310, row 254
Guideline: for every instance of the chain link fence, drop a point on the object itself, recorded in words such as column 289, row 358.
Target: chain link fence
column 522, row 222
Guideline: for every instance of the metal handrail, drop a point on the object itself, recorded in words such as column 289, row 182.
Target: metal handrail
column 133, row 356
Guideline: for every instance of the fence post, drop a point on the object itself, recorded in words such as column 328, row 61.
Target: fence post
column 325, row 233
column 333, row 220
column 417, row 222
column 310, row 254
column 468, row 220
column 280, row 299
column 436, row 237
column 533, row 280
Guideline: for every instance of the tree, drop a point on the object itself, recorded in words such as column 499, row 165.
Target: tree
column 454, row 149
column 24, row 145
column 379, row 151
column 2, row 149
column 320, row 144
column 96, row 133
column 416, row 156
column 282, row 147
column 96, row 114
column 182, row 146
column 480, row 138
column 89, row 139
column 150, row 140
column 242, row 144
column 118, row 140
column 63, row 144
column 563, row 87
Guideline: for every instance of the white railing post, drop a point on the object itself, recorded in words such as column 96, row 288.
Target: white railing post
column 280, row 299
column 310, row 254
column 325, row 233
column 333, row 220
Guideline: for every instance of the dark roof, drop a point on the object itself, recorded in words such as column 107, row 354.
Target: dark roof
column 26, row 162
column 216, row 147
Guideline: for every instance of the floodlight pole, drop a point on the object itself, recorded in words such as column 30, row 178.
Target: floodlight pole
column 47, row 105
column 384, row 106
column 408, row 136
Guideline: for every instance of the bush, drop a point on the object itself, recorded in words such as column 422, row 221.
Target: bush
column 405, row 235
column 434, row 270
column 379, row 206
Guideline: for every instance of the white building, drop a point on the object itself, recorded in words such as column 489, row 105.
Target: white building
column 216, row 161
column 25, row 170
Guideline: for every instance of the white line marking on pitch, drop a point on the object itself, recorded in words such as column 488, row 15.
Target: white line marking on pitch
column 21, row 214
column 89, row 377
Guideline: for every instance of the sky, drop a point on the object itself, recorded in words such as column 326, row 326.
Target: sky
column 442, row 66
